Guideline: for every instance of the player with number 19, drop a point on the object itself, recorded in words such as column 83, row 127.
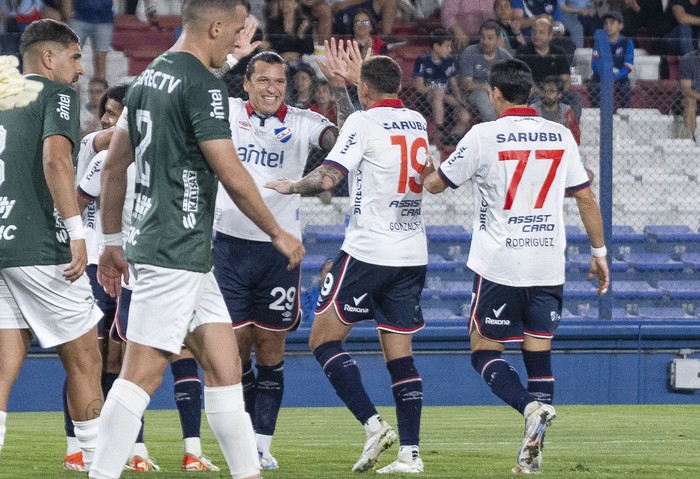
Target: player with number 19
column 520, row 166
column 380, row 271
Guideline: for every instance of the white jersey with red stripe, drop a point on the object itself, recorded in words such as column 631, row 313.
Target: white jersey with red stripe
column 269, row 148
column 520, row 165
column 91, row 220
column 89, row 188
column 383, row 150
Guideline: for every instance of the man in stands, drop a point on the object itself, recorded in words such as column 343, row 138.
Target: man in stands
column 521, row 166
column 545, row 59
column 690, row 88
column 380, row 271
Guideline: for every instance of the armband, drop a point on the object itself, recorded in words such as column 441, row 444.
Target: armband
column 112, row 239
column 74, row 226
column 599, row 252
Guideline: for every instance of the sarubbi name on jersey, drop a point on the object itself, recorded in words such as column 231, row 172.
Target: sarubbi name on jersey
column 405, row 125
column 413, row 226
column 531, row 136
column 518, row 243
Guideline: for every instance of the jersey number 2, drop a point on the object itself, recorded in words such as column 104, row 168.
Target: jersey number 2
column 404, row 178
column 522, row 157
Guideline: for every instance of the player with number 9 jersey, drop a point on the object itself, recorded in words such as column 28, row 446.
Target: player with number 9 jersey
column 383, row 150
column 160, row 234
column 521, row 166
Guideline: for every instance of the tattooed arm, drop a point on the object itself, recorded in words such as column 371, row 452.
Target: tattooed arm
column 319, row 180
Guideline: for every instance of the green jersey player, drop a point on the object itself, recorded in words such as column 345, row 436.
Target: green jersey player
column 176, row 131
column 42, row 248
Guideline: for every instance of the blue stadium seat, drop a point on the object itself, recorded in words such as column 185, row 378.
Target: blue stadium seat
column 663, row 312
column 456, row 290
column 576, row 240
column 432, row 314
column 313, row 262
column 691, row 261
column 579, row 289
column 582, row 263
column 635, row 289
column 680, row 289
column 448, row 240
column 436, row 262
column 324, row 233
column 674, row 239
column 626, row 240
column 656, row 262
column 617, row 313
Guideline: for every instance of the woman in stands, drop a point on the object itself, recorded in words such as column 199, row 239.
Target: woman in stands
column 363, row 28
column 290, row 33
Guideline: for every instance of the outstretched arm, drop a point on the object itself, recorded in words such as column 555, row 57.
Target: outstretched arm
column 319, row 180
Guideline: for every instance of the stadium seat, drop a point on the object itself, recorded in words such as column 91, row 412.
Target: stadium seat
column 313, row 262
column 437, row 263
column 691, row 261
column 663, row 312
column 635, row 289
column 455, row 290
column 579, row 289
column 432, row 314
column 324, row 233
column 448, row 240
column 680, row 289
column 617, row 313
column 673, row 233
column 626, row 240
column 657, row 262
column 582, row 261
column 143, row 41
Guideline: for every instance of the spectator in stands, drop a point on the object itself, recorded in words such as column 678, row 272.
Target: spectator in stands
column 550, row 107
column 17, row 14
column 319, row 11
column 290, row 33
column 364, row 28
column 309, row 297
column 435, row 76
column 580, row 19
column 90, row 111
column 383, row 11
column 323, row 101
column 690, row 88
column 94, row 20
column 511, row 37
column 646, row 18
column 684, row 16
column 526, row 12
column 545, row 59
column 463, row 18
column 622, row 50
column 475, row 65
column 301, row 95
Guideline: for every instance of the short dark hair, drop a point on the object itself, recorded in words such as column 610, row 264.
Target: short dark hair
column 381, row 73
column 115, row 93
column 192, row 10
column 553, row 79
column 364, row 11
column 490, row 25
column 98, row 81
column 47, row 30
column 513, row 78
column 438, row 37
column 272, row 58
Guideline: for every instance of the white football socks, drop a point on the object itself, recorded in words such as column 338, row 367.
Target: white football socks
column 119, row 425
column 86, row 434
column 232, row 428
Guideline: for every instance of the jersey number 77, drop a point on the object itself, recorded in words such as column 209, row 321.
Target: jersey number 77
column 522, row 157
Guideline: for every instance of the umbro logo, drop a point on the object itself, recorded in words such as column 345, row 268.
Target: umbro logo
column 358, row 300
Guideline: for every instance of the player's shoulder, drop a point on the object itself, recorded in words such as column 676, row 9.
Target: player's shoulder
column 304, row 114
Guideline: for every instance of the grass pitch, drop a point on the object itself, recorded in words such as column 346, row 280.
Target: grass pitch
column 472, row 442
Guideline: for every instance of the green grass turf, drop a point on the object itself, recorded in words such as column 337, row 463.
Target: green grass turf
column 630, row 442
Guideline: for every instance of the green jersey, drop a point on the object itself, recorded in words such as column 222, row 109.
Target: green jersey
column 175, row 104
column 31, row 232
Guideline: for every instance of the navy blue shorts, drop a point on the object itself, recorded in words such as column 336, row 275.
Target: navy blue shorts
column 361, row 291
column 105, row 302
column 256, row 285
column 121, row 319
column 505, row 313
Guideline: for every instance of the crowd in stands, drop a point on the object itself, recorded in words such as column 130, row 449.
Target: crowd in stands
column 447, row 80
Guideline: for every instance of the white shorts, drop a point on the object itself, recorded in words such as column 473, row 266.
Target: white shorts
column 40, row 299
column 167, row 304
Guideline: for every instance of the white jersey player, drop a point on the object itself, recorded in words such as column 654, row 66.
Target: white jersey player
column 272, row 140
column 521, row 166
column 380, row 272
